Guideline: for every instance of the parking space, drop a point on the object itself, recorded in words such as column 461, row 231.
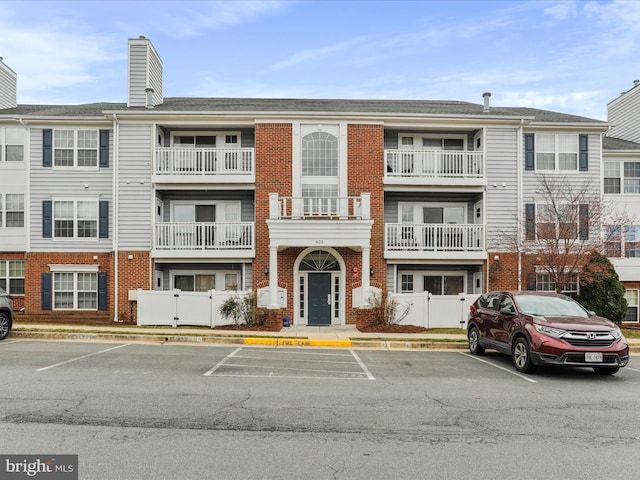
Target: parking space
column 292, row 363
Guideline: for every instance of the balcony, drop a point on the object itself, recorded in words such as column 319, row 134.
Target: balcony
column 433, row 240
column 201, row 165
column 204, row 240
column 434, row 167
column 308, row 221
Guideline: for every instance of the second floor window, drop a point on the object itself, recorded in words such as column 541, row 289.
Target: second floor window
column 75, row 219
column 12, row 140
column 557, row 222
column 556, row 152
column 11, row 210
column 622, row 177
column 75, row 148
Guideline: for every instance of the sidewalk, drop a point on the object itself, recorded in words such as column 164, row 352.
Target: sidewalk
column 296, row 335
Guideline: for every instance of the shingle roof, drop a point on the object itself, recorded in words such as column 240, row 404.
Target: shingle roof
column 337, row 106
column 611, row 143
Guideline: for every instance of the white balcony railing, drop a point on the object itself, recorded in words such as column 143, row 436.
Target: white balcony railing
column 320, row 207
column 204, row 236
column 434, row 163
column 434, row 237
column 204, row 161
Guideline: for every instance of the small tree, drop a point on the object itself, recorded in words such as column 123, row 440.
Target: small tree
column 601, row 289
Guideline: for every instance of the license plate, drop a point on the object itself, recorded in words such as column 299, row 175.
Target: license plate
column 593, row 357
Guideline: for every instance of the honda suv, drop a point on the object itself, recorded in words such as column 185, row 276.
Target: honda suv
column 543, row 328
column 6, row 313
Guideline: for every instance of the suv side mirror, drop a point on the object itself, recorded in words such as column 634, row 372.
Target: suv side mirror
column 507, row 311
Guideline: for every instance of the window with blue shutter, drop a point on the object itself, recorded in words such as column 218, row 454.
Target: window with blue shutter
column 104, row 219
column 102, row 291
column 104, row 148
column 46, row 291
column 47, row 147
column 529, row 151
column 47, row 218
column 530, row 221
column 583, row 152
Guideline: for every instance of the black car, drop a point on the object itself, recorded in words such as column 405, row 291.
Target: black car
column 544, row 328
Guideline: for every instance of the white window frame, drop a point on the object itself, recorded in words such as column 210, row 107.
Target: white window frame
column 445, row 273
column 73, row 270
column 630, row 305
column 6, row 141
column 6, row 277
column 556, row 152
column 220, row 136
column 540, row 210
column 76, row 148
column 4, row 210
column 75, row 219
column 219, row 281
column 543, row 277
column 625, row 182
column 418, row 140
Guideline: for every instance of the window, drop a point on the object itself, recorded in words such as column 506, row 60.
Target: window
column 544, row 283
column 12, row 210
column 319, row 155
column 75, row 291
column 231, row 281
column 444, row 284
column 557, row 222
column 12, row 141
column 556, row 152
column 75, row 219
column 406, row 283
column 12, row 276
column 75, row 148
column 632, row 304
column 632, row 241
column 622, row 177
column 613, row 241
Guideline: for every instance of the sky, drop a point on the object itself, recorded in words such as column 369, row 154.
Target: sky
column 567, row 56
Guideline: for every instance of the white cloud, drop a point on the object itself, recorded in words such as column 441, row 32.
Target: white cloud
column 562, row 11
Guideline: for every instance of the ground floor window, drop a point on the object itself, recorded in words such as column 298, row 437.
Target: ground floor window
column 444, row 284
column 12, row 276
column 631, row 296
column 545, row 283
column 204, row 281
column 406, row 283
column 75, row 291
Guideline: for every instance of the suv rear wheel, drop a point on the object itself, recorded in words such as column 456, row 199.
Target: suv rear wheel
column 521, row 354
column 5, row 325
column 474, row 341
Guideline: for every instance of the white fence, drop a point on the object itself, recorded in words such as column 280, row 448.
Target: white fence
column 175, row 307
column 435, row 311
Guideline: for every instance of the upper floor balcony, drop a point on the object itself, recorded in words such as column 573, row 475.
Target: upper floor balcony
column 204, row 239
column 434, row 167
column 204, row 165
column 434, row 240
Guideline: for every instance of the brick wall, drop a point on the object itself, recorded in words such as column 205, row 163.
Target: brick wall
column 133, row 273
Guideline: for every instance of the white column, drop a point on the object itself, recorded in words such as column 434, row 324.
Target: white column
column 273, row 278
column 366, row 277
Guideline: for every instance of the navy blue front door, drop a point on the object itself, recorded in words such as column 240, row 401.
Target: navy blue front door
column 319, row 299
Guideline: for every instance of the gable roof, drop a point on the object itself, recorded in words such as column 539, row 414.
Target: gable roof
column 611, row 143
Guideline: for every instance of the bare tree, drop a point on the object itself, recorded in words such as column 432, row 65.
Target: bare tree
column 567, row 222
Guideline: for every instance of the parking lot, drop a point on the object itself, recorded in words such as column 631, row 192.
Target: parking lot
column 178, row 411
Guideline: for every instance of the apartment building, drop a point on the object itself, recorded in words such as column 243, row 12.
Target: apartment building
column 312, row 204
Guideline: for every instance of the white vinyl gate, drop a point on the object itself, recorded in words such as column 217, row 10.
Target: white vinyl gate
column 435, row 311
column 175, row 307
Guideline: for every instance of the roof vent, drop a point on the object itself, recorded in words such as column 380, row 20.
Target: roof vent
column 487, row 107
column 149, row 92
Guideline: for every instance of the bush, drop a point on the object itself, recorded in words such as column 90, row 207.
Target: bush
column 386, row 310
column 242, row 310
column 601, row 289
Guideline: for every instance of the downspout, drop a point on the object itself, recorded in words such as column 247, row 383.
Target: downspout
column 116, row 222
column 520, row 183
column 27, row 210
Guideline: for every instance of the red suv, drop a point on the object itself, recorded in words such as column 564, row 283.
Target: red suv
column 543, row 328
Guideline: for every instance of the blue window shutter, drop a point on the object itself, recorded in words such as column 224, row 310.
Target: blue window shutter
column 583, row 146
column 104, row 148
column 47, row 147
column 530, row 221
column 583, row 226
column 47, row 220
column 102, row 291
column 104, row 219
column 531, row 281
column 46, row 291
column 529, row 151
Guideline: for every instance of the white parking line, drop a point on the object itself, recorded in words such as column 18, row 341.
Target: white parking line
column 222, row 362
column 362, row 365
column 7, row 342
column 632, row 369
column 80, row 358
column 498, row 367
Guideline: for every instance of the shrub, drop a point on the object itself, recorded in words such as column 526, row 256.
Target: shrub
column 242, row 309
column 386, row 309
